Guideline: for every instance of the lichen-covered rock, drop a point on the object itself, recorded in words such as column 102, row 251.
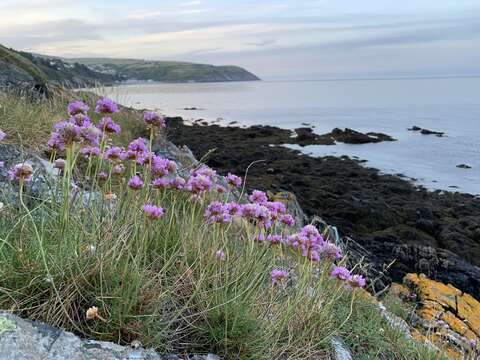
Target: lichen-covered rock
column 444, row 315
column 26, row 340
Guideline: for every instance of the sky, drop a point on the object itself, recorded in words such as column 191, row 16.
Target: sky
column 295, row 39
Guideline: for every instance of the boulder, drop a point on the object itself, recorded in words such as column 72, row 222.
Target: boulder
column 31, row 340
column 443, row 315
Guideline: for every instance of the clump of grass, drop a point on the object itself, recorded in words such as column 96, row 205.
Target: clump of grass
column 174, row 262
column 30, row 122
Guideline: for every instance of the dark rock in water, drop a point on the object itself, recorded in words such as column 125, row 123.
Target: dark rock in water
column 426, row 131
column 350, row 136
column 205, row 123
column 464, row 166
column 382, row 213
column 306, row 136
column 431, row 132
column 414, row 128
column 233, row 122
column 191, row 108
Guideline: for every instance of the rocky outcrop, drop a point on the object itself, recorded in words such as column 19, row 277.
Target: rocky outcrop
column 443, row 315
column 31, row 340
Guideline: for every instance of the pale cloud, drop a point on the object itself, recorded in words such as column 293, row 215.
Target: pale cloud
column 267, row 36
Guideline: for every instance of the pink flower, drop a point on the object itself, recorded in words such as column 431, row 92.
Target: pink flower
column 178, row 183
column 102, row 176
column 340, row 273
column 106, row 106
column 330, row 251
column 113, row 153
column 77, row 107
column 233, row 180
column 199, row 184
column 118, row 169
column 2, row 135
column 274, row 239
column 21, row 172
column 81, row 120
column 287, row 220
column 108, row 126
column 356, row 281
column 220, row 255
column 278, row 275
column 153, row 212
column 258, row 197
column 135, row 183
column 153, row 119
column 233, row 209
column 138, row 145
column 90, row 151
column 161, row 183
column 216, row 213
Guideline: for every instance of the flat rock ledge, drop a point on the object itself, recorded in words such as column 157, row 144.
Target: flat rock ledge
column 31, row 340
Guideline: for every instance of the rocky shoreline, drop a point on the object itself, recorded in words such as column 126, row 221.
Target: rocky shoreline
column 395, row 226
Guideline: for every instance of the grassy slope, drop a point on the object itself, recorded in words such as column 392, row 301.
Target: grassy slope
column 173, row 71
column 161, row 283
column 13, row 57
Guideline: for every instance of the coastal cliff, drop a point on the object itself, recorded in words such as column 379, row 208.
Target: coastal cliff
column 27, row 70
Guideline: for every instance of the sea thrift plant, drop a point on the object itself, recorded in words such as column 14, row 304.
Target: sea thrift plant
column 278, row 275
column 340, row 273
column 161, row 183
column 108, row 126
column 356, row 281
column 154, row 120
column 258, row 197
column 216, row 212
column 106, row 106
column 2, row 135
column 198, row 267
column 77, row 107
column 153, row 212
column 135, row 183
column 21, row 172
column 233, row 180
column 90, row 151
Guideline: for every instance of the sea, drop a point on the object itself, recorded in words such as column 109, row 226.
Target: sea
column 391, row 106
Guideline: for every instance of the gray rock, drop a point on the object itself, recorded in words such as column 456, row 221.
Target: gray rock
column 340, row 349
column 27, row 340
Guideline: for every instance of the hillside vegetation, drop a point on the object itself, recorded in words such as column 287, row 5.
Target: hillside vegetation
column 167, row 71
column 13, row 60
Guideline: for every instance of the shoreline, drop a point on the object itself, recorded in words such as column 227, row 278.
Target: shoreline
column 434, row 232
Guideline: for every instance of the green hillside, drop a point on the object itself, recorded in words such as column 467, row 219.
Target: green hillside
column 9, row 56
column 167, row 71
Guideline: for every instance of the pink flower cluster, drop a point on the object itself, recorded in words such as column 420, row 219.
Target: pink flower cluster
column 343, row 274
column 154, row 120
column 80, row 129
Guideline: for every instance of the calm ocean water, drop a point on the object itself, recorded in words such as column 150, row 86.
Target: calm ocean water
column 388, row 106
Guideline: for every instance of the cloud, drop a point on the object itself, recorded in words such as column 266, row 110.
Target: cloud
column 261, row 43
column 191, row 3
